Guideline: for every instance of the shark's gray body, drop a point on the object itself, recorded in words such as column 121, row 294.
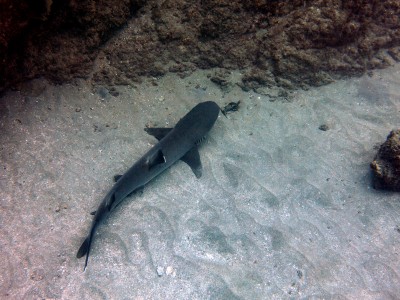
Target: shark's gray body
column 174, row 144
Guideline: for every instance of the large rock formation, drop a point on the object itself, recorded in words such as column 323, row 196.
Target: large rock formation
column 286, row 43
column 56, row 39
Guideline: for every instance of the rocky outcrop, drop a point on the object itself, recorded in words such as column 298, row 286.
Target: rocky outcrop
column 386, row 165
column 56, row 39
column 290, row 44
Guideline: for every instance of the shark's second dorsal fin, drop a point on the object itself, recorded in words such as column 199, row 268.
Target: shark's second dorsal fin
column 156, row 159
column 158, row 133
column 192, row 158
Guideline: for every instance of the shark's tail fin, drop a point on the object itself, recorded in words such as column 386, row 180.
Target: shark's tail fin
column 85, row 248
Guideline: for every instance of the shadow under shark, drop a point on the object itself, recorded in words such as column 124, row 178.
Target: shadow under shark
column 178, row 143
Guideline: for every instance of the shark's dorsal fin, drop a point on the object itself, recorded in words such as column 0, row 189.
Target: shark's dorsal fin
column 158, row 133
column 156, row 159
column 192, row 158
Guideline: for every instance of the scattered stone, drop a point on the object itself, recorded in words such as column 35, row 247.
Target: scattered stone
column 220, row 81
column 37, row 275
column 160, row 271
column 230, row 107
column 113, row 125
column 103, row 93
column 221, row 78
column 386, row 165
column 324, row 127
column 97, row 128
column 113, row 92
column 170, row 271
column 395, row 53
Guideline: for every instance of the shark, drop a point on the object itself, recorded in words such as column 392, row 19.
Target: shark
column 174, row 144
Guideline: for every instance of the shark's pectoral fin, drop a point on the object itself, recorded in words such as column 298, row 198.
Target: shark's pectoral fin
column 155, row 160
column 117, row 177
column 192, row 158
column 140, row 190
column 158, row 133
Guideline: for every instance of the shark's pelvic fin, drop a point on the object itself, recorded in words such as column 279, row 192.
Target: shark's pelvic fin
column 139, row 190
column 83, row 249
column 158, row 133
column 117, row 177
column 192, row 158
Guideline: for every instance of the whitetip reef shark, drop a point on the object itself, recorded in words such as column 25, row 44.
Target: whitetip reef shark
column 178, row 143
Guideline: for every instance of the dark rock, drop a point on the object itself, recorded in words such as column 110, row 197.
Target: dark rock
column 222, row 79
column 230, row 107
column 103, row 92
column 57, row 39
column 324, row 127
column 386, row 165
column 395, row 53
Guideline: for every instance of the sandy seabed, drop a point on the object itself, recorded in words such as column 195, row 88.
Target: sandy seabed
column 283, row 209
